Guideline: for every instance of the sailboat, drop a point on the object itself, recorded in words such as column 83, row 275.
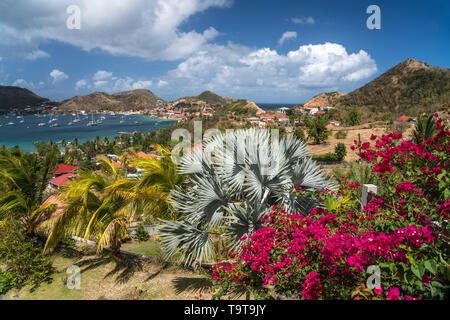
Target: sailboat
column 77, row 118
column 92, row 122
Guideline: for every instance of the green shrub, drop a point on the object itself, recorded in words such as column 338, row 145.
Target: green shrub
column 300, row 134
column 326, row 157
column 21, row 261
column 340, row 151
column 140, row 233
column 340, row 134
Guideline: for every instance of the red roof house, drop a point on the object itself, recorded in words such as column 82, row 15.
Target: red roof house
column 403, row 118
column 62, row 179
column 65, row 168
column 146, row 155
column 319, row 112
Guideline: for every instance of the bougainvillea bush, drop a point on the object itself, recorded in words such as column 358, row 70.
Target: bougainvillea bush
column 395, row 248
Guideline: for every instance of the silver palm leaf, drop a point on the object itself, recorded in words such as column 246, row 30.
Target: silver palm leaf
column 234, row 180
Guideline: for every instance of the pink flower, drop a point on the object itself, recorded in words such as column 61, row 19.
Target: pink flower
column 378, row 290
column 426, row 280
column 393, row 293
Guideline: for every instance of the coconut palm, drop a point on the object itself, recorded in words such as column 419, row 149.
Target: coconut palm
column 160, row 170
column 100, row 205
column 232, row 184
column 24, row 178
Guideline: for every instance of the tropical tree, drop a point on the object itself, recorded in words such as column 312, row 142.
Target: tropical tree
column 100, row 206
column 424, row 129
column 232, row 183
column 24, row 178
column 317, row 129
column 160, row 171
column 353, row 117
column 299, row 134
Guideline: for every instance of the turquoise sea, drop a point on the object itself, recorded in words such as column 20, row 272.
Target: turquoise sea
column 24, row 131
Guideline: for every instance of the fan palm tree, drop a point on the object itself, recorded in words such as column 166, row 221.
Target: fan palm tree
column 232, row 184
column 24, row 178
column 100, row 205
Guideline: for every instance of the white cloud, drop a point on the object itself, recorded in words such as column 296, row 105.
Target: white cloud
column 104, row 80
column 264, row 72
column 148, row 29
column 58, row 75
column 286, row 36
column 162, row 83
column 23, row 83
column 303, row 20
column 146, row 84
column 81, row 84
column 36, row 54
column 102, row 75
column 100, row 83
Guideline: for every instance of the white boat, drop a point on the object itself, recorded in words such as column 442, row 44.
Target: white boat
column 77, row 119
column 21, row 121
column 92, row 122
column 41, row 124
column 54, row 125
column 70, row 123
column 10, row 123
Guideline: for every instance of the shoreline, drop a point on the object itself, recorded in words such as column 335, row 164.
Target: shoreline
column 29, row 133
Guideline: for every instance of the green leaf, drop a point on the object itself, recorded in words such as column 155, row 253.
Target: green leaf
column 430, row 265
column 411, row 259
column 437, row 284
column 418, row 270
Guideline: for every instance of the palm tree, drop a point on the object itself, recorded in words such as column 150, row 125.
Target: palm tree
column 424, row 128
column 75, row 143
column 161, row 170
column 231, row 187
column 100, row 205
column 24, row 178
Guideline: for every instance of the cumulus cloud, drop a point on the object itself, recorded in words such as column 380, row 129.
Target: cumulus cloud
column 23, row 83
column 303, row 20
column 148, row 29
column 80, row 84
column 234, row 69
column 286, row 36
column 102, row 75
column 106, row 81
column 58, row 76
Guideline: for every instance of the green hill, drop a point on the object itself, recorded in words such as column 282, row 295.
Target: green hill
column 18, row 98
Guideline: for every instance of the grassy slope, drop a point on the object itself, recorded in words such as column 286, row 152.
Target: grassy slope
column 101, row 278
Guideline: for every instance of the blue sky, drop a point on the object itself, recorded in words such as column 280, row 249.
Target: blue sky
column 234, row 48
